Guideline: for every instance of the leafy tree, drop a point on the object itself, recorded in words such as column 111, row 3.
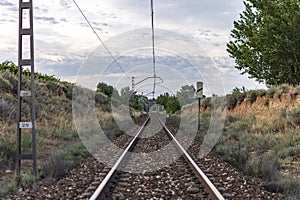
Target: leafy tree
column 162, row 99
column 125, row 96
column 266, row 41
column 139, row 103
column 136, row 101
column 186, row 94
column 11, row 67
column 125, row 90
column 172, row 105
column 105, row 89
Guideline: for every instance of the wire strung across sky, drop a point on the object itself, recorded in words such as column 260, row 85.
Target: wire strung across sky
column 106, row 48
column 153, row 48
column 115, row 60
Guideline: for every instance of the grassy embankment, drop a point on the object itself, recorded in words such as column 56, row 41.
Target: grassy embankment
column 261, row 134
column 58, row 145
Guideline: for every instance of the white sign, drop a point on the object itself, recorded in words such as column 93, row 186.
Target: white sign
column 25, row 93
column 25, row 125
column 199, row 91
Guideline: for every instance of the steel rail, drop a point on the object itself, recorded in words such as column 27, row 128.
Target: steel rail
column 101, row 188
column 212, row 190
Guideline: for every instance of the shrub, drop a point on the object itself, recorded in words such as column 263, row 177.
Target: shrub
column 283, row 113
column 28, row 180
column 263, row 166
column 8, row 187
column 243, row 124
column 61, row 161
column 62, row 134
column 271, row 92
column 237, row 96
column 230, row 119
column 101, row 98
column 277, row 125
column 296, row 90
column 8, row 110
column 206, row 102
column 252, row 95
column 240, row 97
column 233, row 153
column 26, row 141
column 294, row 116
column 288, row 152
column 261, row 92
column 7, row 150
column 283, row 89
column 4, row 85
column 231, row 101
column 118, row 133
column 57, row 166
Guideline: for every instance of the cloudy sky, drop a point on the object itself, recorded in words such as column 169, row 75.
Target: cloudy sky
column 64, row 43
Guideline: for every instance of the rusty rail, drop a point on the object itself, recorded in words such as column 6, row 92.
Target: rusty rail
column 101, row 188
column 211, row 189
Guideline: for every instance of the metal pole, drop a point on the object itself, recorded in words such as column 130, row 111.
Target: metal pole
column 33, row 113
column 199, row 93
column 132, row 83
column 26, row 31
column 18, row 156
column 153, row 48
column 199, row 106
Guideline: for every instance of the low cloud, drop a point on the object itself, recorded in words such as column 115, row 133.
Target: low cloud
column 66, row 3
column 51, row 20
column 60, row 49
column 6, row 3
column 3, row 21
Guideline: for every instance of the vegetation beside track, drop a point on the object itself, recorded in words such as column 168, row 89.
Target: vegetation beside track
column 59, row 148
column 261, row 134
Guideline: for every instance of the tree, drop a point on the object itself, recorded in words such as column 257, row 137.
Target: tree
column 186, row 94
column 133, row 100
column 105, row 89
column 162, row 99
column 172, row 105
column 266, row 41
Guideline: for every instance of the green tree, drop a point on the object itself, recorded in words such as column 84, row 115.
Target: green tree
column 186, row 94
column 136, row 101
column 266, row 41
column 106, row 89
column 162, row 99
column 172, row 105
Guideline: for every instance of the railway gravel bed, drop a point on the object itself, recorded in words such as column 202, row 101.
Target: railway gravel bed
column 137, row 181
column 169, row 181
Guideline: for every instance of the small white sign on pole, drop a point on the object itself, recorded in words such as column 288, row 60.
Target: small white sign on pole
column 24, row 125
column 199, row 91
column 24, row 93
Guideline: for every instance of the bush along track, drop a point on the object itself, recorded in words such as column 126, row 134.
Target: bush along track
column 261, row 135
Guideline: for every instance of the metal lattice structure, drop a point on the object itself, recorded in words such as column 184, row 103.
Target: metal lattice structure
column 26, row 96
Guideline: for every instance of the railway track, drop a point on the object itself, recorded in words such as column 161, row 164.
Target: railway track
column 174, row 180
column 181, row 179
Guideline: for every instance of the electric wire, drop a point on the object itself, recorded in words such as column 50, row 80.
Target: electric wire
column 153, row 48
column 106, row 48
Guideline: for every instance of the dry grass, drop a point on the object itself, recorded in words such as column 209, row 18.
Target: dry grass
column 262, row 136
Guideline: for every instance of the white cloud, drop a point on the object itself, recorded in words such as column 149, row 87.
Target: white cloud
column 63, row 40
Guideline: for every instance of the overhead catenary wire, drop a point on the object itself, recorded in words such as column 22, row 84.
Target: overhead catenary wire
column 106, row 48
column 153, row 48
